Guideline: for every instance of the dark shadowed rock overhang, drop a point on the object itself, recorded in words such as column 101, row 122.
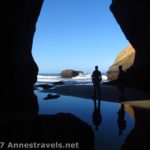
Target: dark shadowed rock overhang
column 133, row 16
column 59, row 129
column 138, row 138
column 20, row 70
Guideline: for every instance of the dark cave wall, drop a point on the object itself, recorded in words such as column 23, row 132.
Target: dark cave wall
column 20, row 68
column 133, row 16
column 138, row 138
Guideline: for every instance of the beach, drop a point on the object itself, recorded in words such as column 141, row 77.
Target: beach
column 109, row 93
column 82, row 87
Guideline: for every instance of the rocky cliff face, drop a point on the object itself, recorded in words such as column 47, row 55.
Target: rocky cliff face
column 20, row 70
column 133, row 17
column 124, row 58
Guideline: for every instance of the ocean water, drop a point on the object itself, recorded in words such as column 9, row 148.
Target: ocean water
column 80, row 79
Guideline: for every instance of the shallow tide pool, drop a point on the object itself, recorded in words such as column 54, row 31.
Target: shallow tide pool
column 110, row 127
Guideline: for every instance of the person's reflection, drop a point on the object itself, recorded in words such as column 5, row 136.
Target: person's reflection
column 97, row 118
column 121, row 119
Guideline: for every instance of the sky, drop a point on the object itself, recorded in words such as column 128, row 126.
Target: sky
column 76, row 34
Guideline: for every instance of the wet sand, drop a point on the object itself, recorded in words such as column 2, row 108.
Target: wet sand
column 109, row 93
column 144, row 104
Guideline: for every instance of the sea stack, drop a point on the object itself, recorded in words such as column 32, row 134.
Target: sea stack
column 69, row 73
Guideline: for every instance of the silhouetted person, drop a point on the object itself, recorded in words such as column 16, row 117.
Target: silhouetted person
column 97, row 118
column 121, row 82
column 96, row 79
column 121, row 119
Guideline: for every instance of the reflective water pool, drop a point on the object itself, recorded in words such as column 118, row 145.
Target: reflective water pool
column 110, row 122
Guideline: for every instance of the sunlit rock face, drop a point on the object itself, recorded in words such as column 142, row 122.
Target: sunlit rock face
column 124, row 58
column 20, row 70
column 133, row 16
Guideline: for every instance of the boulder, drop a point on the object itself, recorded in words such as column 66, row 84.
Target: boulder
column 125, row 58
column 69, row 73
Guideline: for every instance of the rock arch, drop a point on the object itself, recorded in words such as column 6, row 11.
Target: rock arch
column 20, row 70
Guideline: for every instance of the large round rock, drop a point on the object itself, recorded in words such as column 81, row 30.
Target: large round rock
column 69, row 73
